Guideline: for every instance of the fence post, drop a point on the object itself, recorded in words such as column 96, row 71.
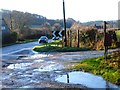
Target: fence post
column 105, row 47
column 70, row 38
column 11, row 23
column 78, row 39
column 67, row 78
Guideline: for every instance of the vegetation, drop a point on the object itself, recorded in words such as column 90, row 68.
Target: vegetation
column 23, row 23
column 57, row 47
column 109, row 70
column 9, row 38
column 19, row 42
column 90, row 37
column 32, row 26
column 118, row 35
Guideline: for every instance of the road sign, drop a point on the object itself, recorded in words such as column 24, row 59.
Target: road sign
column 58, row 34
column 55, row 35
column 61, row 33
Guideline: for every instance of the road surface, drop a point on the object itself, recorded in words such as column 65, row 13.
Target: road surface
column 23, row 68
column 17, row 47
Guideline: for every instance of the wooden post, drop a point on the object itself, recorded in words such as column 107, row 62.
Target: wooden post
column 64, row 23
column 67, row 78
column 11, row 28
column 78, row 39
column 105, row 47
column 70, row 38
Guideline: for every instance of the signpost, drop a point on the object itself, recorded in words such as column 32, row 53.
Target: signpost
column 107, row 40
column 105, row 47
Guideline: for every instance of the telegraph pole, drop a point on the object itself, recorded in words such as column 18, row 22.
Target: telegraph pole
column 64, row 23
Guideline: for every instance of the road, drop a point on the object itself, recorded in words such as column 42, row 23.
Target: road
column 17, row 47
column 23, row 68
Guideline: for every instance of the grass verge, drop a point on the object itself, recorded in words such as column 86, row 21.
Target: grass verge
column 109, row 70
column 26, row 41
column 56, row 47
column 118, row 35
column 20, row 42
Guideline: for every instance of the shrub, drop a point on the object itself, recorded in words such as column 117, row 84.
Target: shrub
column 9, row 38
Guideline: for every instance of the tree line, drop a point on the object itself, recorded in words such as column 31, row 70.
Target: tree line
column 31, row 26
column 22, row 22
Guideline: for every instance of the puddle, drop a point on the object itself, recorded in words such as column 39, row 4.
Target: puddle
column 19, row 66
column 3, row 77
column 37, row 56
column 86, row 79
column 50, row 67
column 39, row 60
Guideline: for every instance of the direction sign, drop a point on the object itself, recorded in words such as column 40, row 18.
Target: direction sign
column 55, row 35
column 61, row 33
column 58, row 34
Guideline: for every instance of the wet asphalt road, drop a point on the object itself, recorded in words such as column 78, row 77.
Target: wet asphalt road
column 17, row 47
column 26, row 69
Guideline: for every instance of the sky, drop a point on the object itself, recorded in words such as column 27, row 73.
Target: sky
column 80, row 10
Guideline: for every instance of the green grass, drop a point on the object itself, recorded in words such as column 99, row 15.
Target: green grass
column 26, row 41
column 45, row 48
column 56, row 47
column 109, row 69
column 118, row 35
column 19, row 42
column 4, row 45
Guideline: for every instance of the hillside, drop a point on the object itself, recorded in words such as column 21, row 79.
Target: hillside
column 22, row 19
column 114, row 23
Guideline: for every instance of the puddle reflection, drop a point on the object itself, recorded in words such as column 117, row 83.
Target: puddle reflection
column 37, row 56
column 86, row 79
column 19, row 65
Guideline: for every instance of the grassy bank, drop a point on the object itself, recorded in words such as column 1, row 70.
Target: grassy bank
column 109, row 70
column 26, row 41
column 56, row 47
column 118, row 35
column 20, row 42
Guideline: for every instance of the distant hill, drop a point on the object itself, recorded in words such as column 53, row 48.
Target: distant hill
column 114, row 23
column 21, row 19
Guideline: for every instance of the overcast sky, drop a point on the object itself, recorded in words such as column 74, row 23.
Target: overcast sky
column 82, row 10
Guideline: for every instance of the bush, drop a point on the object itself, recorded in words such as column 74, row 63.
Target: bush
column 88, row 37
column 9, row 38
